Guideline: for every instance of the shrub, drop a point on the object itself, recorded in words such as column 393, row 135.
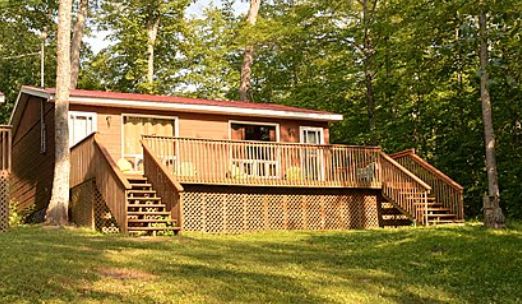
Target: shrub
column 18, row 216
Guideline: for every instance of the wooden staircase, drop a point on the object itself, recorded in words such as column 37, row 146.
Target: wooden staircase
column 436, row 213
column 146, row 214
column 419, row 191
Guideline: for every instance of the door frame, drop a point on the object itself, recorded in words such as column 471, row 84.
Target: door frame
column 320, row 156
column 122, row 129
column 258, row 123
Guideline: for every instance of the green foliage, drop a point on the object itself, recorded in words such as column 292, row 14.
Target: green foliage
column 122, row 65
column 18, row 216
column 21, row 25
column 466, row 264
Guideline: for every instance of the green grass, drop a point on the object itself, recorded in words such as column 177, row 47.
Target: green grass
column 425, row 265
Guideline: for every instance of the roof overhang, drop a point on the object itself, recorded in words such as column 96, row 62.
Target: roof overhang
column 184, row 107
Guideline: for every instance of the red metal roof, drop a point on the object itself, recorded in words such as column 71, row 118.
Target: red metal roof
column 184, row 100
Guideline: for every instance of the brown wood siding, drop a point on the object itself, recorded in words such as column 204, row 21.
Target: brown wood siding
column 32, row 172
column 191, row 125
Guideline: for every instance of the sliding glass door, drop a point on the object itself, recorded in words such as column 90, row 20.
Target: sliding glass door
column 135, row 126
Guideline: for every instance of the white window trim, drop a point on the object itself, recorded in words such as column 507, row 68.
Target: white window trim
column 307, row 128
column 254, row 123
column 92, row 115
column 122, row 133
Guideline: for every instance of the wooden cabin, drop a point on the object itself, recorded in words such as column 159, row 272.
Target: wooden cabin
column 147, row 163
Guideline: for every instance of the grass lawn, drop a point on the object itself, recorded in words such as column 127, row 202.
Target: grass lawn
column 424, row 265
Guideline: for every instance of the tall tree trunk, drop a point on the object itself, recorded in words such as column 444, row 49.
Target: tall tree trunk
column 76, row 44
column 248, row 57
column 58, row 206
column 493, row 216
column 369, row 74
column 152, row 34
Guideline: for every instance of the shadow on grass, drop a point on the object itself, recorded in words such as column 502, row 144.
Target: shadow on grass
column 466, row 264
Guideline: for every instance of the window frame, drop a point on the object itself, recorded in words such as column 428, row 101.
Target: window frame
column 92, row 115
column 302, row 129
column 255, row 123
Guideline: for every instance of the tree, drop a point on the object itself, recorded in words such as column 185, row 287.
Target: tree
column 153, row 23
column 146, row 48
column 493, row 216
column 76, row 44
column 248, row 57
column 57, row 211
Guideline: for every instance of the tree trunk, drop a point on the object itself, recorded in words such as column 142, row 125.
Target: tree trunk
column 369, row 74
column 76, row 44
column 493, row 216
column 152, row 34
column 58, row 206
column 248, row 57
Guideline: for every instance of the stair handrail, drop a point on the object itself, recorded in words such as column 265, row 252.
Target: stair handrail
column 394, row 177
column 452, row 198
column 411, row 153
column 164, row 183
column 90, row 160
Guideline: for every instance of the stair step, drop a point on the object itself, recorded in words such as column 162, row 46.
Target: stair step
column 441, row 215
column 414, row 197
column 396, row 222
column 136, row 229
column 135, row 177
column 445, row 221
column 146, row 205
column 146, row 198
column 142, row 191
column 140, row 186
column 132, row 220
column 435, row 205
column 390, row 211
column 440, row 209
column 165, row 213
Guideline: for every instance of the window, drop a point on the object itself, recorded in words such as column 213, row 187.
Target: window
column 311, row 135
column 254, row 131
column 81, row 125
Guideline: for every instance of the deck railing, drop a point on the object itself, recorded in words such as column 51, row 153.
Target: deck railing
column 407, row 191
column 267, row 164
column 164, row 184
column 5, row 148
column 90, row 160
column 447, row 192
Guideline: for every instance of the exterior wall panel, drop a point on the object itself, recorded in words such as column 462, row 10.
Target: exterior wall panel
column 192, row 125
column 32, row 172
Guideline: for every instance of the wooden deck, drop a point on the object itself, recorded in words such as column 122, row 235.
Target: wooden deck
column 248, row 174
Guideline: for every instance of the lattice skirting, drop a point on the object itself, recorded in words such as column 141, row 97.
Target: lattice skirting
column 4, row 201
column 237, row 209
column 88, row 209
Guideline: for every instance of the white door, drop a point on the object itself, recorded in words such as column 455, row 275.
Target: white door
column 312, row 160
column 81, row 125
